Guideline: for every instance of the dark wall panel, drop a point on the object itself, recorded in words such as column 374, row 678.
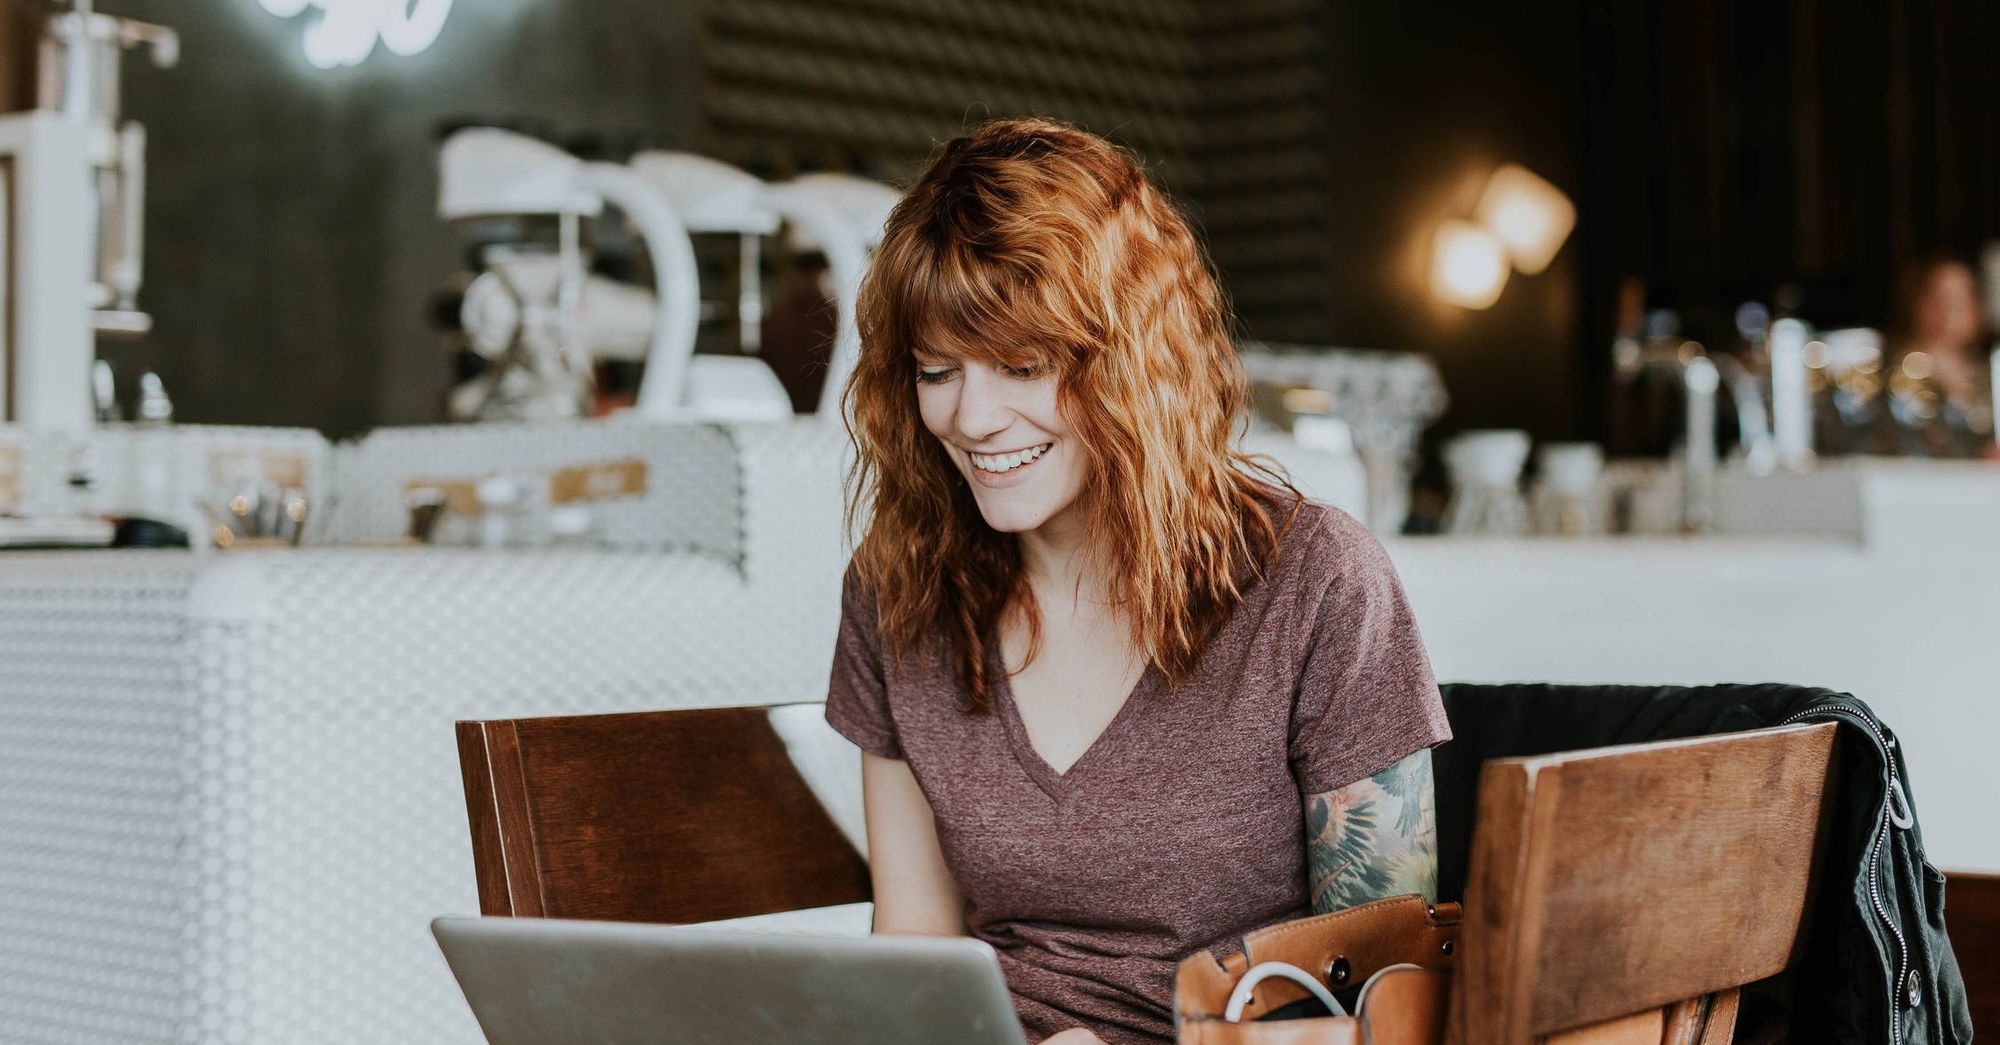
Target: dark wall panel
column 1732, row 149
column 293, row 242
column 1261, row 169
column 294, row 248
column 1714, row 149
column 1315, row 143
column 1424, row 102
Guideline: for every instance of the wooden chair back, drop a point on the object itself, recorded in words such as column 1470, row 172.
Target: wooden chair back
column 1973, row 901
column 1612, row 891
column 663, row 816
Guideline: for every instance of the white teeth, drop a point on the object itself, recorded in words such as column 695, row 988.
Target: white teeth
column 1008, row 462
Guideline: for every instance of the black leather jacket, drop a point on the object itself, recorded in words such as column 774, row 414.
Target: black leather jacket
column 1878, row 968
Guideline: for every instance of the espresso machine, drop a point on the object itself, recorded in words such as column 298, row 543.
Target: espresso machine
column 75, row 198
column 840, row 215
column 540, row 316
column 535, row 310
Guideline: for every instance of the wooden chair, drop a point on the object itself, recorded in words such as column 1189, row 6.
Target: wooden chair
column 1972, row 906
column 667, row 816
column 1620, row 895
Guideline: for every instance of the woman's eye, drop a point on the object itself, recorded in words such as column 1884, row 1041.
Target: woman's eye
column 935, row 375
column 1025, row 373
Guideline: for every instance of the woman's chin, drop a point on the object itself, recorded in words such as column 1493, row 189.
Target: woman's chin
column 1056, row 519
column 1012, row 518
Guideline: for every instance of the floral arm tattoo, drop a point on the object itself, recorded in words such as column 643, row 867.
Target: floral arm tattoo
column 1374, row 838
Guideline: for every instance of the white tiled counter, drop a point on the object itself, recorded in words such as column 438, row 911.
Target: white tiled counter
column 229, row 794
column 229, row 791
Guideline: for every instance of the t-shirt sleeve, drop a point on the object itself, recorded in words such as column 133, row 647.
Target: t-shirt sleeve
column 1366, row 698
column 857, row 699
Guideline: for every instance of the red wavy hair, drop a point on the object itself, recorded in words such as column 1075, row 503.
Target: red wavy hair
column 1031, row 243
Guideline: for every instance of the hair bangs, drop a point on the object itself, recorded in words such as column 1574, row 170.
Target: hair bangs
column 960, row 300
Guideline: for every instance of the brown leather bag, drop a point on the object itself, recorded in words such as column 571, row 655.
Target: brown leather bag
column 1343, row 950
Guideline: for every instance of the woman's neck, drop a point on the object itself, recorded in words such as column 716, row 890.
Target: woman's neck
column 1058, row 565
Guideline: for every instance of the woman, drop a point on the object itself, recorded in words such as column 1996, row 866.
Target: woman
column 1119, row 699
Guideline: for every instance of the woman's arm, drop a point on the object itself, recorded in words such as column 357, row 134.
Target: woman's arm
column 1374, row 838
column 914, row 890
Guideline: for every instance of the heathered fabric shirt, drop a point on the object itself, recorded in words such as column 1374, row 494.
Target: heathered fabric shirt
column 1183, row 825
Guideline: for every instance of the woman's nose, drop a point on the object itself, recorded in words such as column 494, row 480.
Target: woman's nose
column 983, row 409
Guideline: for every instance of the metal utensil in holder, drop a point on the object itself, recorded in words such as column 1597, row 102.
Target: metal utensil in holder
column 245, row 507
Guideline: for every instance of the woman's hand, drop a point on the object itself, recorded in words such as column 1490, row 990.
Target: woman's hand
column 1074, row 1036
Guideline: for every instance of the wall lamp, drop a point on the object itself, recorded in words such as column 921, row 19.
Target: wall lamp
column 1521, row 219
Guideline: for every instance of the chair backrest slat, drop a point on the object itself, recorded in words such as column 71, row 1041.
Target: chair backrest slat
column 671, row 816
column 489, row 758
column 1607, row 882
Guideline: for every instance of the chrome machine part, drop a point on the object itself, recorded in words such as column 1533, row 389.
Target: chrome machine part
column 515, row 299
column 80, row 55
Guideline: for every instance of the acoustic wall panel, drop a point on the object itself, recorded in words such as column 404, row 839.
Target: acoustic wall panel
column 1222, row 100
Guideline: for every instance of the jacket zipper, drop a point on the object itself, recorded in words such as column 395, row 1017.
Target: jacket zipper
column 1875, row 854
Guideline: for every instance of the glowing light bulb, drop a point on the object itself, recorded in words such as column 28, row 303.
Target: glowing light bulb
column 1531, row 216
column 1468, row 265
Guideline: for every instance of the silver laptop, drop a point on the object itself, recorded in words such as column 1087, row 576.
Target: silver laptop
column 538, row 981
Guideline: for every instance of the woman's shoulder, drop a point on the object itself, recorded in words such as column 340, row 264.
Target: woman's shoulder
column 1321, row 536
column 1323, row 553
column 858, row 595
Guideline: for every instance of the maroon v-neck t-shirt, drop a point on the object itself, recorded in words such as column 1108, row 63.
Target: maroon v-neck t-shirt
column 1182, row 826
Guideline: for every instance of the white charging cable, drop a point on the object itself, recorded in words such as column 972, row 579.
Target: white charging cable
column 1240, row 997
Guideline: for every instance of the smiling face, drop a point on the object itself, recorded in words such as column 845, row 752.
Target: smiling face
column 1028, row 243
column 1002, row 428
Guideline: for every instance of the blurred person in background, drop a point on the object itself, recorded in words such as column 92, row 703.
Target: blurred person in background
column 798, row 330
column 1938, row 381
column 1122, row 693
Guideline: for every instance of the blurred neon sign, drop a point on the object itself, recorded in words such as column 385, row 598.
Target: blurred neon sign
column 346, row 31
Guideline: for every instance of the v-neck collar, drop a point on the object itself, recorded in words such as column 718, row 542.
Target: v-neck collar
column 1058, row 786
